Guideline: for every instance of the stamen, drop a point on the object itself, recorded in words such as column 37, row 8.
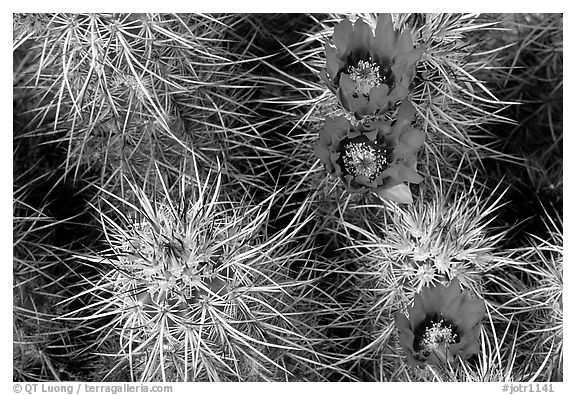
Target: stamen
column 366, row 75
column 439, row 333
column 362, row 159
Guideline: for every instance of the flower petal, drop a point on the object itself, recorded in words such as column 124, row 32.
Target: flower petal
column 431, row 299
column 472, row 347
column 334, row 156
column 384, row 38
column 404, row 67
column 406, row 60
column 353, row 133
column 352, row 186
column 405, row 153
column 379, row 99
column 384, row 128
column 413, row 361
column 410, row 160
column 371, row 135
column 346, row 90
column 468, row 345
column 440, row 355
column 359, row 106
column 342, row 37
column 333, row 62
column 343, row 98
column 334, row 130
column 327, row 80
column 362, row 180
column 324, row 155
column 400, row 92
column 402, row 322
column 413, row 138
column 404, row 42
column 416, row 313
column 406, row 338
column 405, row 111
column 453, row 290
column 394, row 173
column 409, row 175
column 361, row 39
column 451, row 298
column 399, row 194
column 403, row 173
column 469, row 314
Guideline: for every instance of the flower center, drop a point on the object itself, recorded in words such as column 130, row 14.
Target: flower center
column 366, row 75
column 438, row 334
column 364, row 158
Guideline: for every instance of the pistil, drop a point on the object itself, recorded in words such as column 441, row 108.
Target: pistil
column 364, row 159
column 438, row 334
column 366, row 75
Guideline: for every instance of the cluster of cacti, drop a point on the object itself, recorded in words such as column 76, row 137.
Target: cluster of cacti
column 196, row 289
column 174, row 221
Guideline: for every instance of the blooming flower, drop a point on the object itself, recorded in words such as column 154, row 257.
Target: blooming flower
column 376, row 156
column 443, row 323
column 370, row 72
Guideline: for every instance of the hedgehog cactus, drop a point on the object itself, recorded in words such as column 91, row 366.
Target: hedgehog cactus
column 439, row 238
column 193, row 290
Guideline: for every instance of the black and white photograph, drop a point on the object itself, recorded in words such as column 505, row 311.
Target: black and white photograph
column 287, row 197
